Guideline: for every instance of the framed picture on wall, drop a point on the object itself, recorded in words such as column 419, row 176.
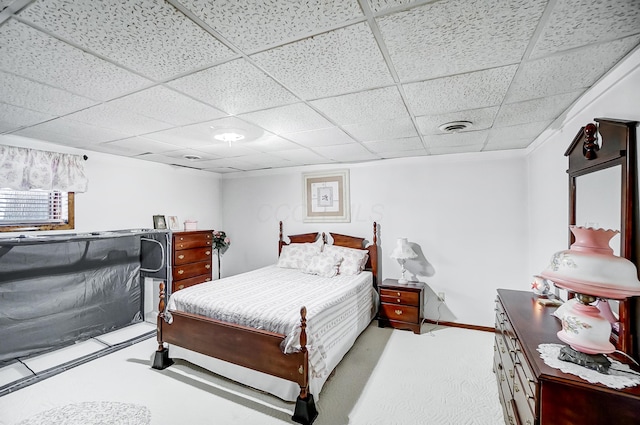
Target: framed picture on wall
column 159, row 222
column 173, row 223
column 326, row 196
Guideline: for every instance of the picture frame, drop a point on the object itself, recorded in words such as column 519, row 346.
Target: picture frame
column 326, row 197
column 173, row 223
column 159, row 222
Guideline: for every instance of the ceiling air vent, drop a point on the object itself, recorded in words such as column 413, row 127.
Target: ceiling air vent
column 455, row 126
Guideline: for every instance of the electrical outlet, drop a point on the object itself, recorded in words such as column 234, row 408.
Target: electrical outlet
column 441, row 296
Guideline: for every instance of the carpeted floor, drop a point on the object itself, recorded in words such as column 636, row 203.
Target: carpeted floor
column 389, row 377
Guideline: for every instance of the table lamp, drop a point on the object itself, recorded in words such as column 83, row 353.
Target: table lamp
column 590, row 269
column 403, row 252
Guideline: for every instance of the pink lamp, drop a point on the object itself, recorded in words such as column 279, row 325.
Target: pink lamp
column 590, row 269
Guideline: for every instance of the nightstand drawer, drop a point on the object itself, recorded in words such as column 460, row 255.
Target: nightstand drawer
column 399, row 297
column 192, row 269
column 185, row 256
column 400, row 312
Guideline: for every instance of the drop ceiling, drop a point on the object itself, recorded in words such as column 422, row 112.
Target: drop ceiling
column 306, row 82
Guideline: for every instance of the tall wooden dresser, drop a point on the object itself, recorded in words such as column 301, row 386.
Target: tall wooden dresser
column 533, row 393
column 191, row 258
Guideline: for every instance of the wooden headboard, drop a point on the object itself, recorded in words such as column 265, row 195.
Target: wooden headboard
column 341, row 240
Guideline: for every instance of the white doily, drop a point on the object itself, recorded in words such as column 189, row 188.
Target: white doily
column 620, row 375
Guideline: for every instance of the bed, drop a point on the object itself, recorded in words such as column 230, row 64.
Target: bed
column 291, row 350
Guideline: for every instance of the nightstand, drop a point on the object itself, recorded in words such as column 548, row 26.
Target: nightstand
column 401, row 305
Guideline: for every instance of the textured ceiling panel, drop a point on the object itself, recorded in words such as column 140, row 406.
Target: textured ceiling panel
column 30, row 53
column 380, row 5
column 559, row 73
column 543, row 109
column 134, row 146
column 405, row 144
column 270, row 143
column 502, row 136
column 471, row 138
column 168, row 106
column 14, row 117
column 480, row 119
column 72, row 133
column 451, row 37
column 148, row 36
column 108, row 116
column 449, row 150
column 323, row 137
column 371, row 105
column 328, row 64
column 460, row 92
column 234, row 87
column 288, row 119
column 38, row 97
column 253, row 24
column 575, row 23
column 302, row 156
column 382, row 130
column 349, row 152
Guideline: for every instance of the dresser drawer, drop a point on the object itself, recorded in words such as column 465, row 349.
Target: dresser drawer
column 194, row 240
column 400, row 312
column 399, row 297
column 192, row 269
column 524, row 399
column 185, row 256
column 185, row 283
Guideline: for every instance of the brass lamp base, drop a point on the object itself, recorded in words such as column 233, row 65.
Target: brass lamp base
column 597, row 362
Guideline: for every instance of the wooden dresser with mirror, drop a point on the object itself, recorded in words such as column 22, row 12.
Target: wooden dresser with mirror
column 603, row 193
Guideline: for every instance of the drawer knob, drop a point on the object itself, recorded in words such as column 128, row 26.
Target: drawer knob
column 180, row 246
column 398, row 312
column 208, row 242
column 398, row 300
column 515, row 388
column 207, row 279
column 398, row 294
column 181, row 256
column 208, row 266
column 180, row 271
column 181, row 287
column 181, row 238
column 208, row 253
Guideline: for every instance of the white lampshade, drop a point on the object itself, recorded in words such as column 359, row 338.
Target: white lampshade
column 403, row 250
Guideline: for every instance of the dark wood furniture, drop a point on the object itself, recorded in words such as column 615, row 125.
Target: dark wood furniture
column 254, row 348
column 533, row 393
column 599, row 146
column 401, row 305
column 191, row 254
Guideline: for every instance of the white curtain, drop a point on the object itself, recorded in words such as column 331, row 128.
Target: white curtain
column 27, row 169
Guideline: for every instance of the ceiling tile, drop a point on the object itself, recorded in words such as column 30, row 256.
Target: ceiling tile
column 403, row 154
column 328, row 64
column 448, row 150
column 370, row 105
column 560, row 74
column 471, row 138
column 14, row 117
column 452, row 37
column 505, row 135
column 262, row 160
column 515, row 143
column 480, row 119
column 459, row 92
column 543, row 109
column 288, row 119
column 271, row 143
column 39, row 97
column 168, row 106
column 352, row 152
column 225, row 150
column 234, row 87
column 395, row 145
column 574, row 23
column 381, row 5
column 323, row 137
column 35, row 55
column 381, row 130
column 253, row 24
column 302, row 156
column 148, row 36
column 109, row 116
column 137, row 146
column 72, row 133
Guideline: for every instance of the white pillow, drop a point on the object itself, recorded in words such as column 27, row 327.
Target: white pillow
column 323, row 264
column 353, row 260
column 293, row 255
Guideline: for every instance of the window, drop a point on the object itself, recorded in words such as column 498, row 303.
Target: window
column 36, row 210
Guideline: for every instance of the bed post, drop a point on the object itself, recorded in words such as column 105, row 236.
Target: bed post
column 280, row 241
column 305, row 411
column 161, row 358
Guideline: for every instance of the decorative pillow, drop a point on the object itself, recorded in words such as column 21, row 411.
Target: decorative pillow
column 293, row 255
column 323, row 264
column 353, row 260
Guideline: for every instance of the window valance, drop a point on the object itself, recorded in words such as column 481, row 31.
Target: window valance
column 27, row 169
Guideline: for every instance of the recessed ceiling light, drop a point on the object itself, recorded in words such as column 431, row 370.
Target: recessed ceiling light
column 455, row 126
column 192, row 157
column 228, row 135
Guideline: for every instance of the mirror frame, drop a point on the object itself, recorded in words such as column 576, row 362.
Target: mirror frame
column 597, row 146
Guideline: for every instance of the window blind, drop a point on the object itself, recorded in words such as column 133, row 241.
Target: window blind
column 32, row 207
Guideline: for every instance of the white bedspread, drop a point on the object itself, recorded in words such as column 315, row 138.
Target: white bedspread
column 270, row 298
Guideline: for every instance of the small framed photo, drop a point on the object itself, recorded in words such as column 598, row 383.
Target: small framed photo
column 173, row 223
column 326, row 197
column 159, row 222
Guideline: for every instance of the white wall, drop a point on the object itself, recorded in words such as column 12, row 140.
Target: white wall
column 465, row 213
column 125, row 193
column 614, row 96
